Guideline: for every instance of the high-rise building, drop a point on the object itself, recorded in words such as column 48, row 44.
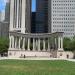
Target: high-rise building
column 7, row 11
column 55, row 16
column 4, row 29
column 20, row 12
column 41, row 16
column 4, row 24
column 62, row 17
column 2, row 16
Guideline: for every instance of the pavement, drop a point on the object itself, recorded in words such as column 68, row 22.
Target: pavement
column 37, row 58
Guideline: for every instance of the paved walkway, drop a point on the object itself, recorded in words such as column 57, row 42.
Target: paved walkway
column 37, row 58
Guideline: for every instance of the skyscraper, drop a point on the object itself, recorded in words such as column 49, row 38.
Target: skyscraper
column 4, row 24
column 41, row 16
column 7, row 11
column 20, row 11
column 62, row 16
column 2, row 16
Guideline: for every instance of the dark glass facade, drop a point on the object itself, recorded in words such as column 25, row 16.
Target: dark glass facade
column 33, row 22
column 41, row 16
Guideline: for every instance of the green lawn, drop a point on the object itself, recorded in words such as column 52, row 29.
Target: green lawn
column 21, row 67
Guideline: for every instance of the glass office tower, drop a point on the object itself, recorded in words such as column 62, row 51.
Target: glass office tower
column 41, row 16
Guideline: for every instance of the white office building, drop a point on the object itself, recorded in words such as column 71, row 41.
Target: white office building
column 62, row 17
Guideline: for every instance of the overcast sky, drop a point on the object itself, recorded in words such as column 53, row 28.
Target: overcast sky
column 2, row 5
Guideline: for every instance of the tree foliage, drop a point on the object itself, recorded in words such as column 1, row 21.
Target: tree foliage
column 69, row 44
column 4, row 44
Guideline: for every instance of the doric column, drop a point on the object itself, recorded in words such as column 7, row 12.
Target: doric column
column 11, row 14
column 33, row 44
column 44, row 45
column 17, row 13
column 39, row 44
column 19, row 42
column 15, row 42
column 60, row 43
column 36, row 44
column 23, row 45
column 10, row 42
column 48, row 44
column 28, row 44
column 55, row 43
column 23, row 20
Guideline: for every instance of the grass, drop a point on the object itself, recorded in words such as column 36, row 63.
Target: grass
column 21, row 67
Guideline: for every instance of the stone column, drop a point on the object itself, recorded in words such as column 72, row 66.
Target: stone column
column 48, row 44
column 44, row 49
column 28, row 44
column 15, row 42
column 60, row 43
column 12, row 14
column 23, row 20
column 17, row 11
column 10, row 42
column 38, row 44
column 23, row 46
column 55, row 43
column 19, row 42
column 33, row 44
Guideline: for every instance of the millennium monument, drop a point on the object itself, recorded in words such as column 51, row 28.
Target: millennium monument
column 23, row 43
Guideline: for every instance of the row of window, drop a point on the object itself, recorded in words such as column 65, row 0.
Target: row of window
column 63, row 4
column 69, row 34
column 63, row 14
column 63, row 8
column 58, row 22
column 66, row 11
column 62, row 30
column 63, row 1
column 63, row 26
column 63, row 18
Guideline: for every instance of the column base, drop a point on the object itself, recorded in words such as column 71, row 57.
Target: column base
column 60, row 49
column 44, row 50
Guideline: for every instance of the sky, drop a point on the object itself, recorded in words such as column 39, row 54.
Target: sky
column 2, row 5
column 33, row 5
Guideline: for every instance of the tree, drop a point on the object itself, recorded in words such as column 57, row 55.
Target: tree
column 4, row 44
column 73, row 44
column 67, row 43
